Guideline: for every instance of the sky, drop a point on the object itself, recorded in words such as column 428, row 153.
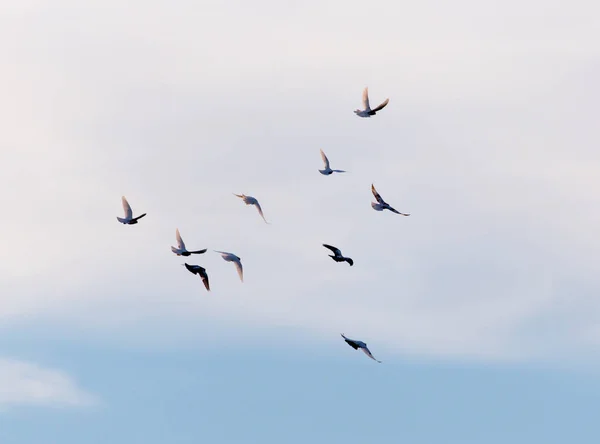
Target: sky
column 483, row 304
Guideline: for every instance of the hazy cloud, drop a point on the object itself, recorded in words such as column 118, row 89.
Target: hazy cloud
column 489, row 141
column 27, row 384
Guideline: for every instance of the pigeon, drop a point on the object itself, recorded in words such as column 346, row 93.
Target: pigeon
column 337, row 255
column 181, row 250
column 249, row 200
column 327, row 171
column 367, row 111
column 359, row 344
column 200, row 271
column 129, row 219
column 230, row 257
column 381, row 204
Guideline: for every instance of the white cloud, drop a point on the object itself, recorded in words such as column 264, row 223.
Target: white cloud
column 27, row 384
column 489, row 140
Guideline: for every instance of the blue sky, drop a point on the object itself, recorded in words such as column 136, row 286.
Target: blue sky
column 272, row 391
column 482, row 304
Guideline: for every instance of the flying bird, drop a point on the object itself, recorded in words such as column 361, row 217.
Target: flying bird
column 200, row 271
column 230, row 257
column 327, row 171
column 129, row 219
column 381, row 204
column 181, row 250
column 367, row 111
column 337, row 255
column 359, row 344
column 249, row 200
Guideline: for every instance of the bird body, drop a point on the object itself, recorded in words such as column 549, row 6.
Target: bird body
column 359, row 344
column 381, row 204
column 230, row 257
column 180, row 250
column 200, row 271
column 337, row 255
column 128, row 219
column 327, row 170
column 367, row 111
column 249, row 200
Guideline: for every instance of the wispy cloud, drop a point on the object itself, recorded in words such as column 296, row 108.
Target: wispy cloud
column 28, row 384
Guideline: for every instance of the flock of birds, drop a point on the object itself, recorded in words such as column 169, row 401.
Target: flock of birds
column 337, row 255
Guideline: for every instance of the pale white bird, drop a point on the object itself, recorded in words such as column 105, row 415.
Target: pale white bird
column 249, row 200
column 230, row 257
column 359, row 344
column 327, row 171
column 128, row 219
column 181, row 250
column 381, row 204
column 367, row 111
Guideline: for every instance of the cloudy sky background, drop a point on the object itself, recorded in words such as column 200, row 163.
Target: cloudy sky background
column 483, row 304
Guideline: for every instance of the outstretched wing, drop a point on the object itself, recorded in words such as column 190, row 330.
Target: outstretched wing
column 380, row 107
column 368, row 353
column 204, row 277
column 240, row 270
column 393, row 210
column 335, row 250
column 376, row 194
column 351, row 344
column 180, row 243
column 126, row 208
column 260, row 211
column 325, row 160
column 365, row 99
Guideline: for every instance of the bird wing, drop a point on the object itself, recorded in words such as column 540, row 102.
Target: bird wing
column 393, row 210
column 260, row 211
column 365, row 99
column 368, row 353
column 204, row 277
column 351, row 343
column 240, row 270
column 376, row 194
column 179, row 240
column 139, row 217
column 198, row 251
column 335, row 250
column 126, row 208
column 325, row 160
column 190, row 268
column 381, row 106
